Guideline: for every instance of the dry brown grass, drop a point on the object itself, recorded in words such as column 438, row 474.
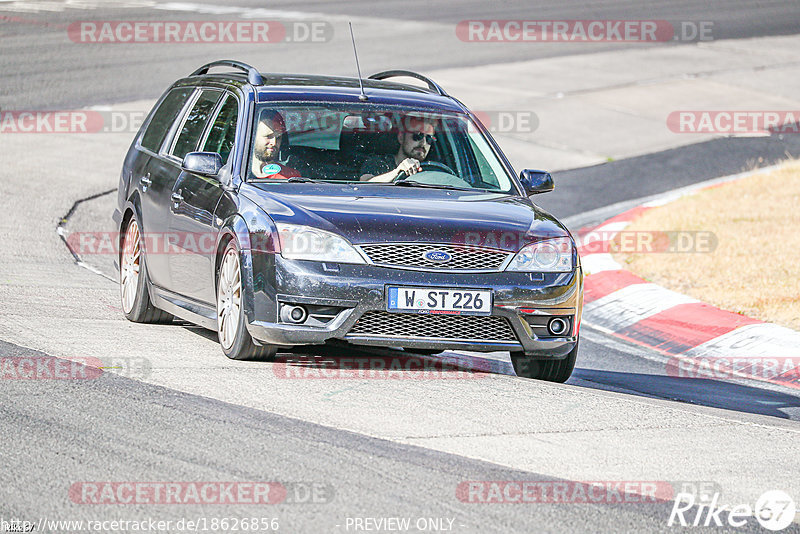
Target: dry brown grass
column 755, row 269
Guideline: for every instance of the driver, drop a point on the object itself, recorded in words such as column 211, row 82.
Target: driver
column 415, row 141
column 270, row 131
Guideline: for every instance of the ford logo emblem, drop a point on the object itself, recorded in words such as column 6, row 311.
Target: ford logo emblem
column 437, row 255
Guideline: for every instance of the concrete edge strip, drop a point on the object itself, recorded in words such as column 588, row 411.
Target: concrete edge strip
column 61, row 230
column 702, row 341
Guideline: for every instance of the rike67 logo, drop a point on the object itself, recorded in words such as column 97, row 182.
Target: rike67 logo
column 774, row 510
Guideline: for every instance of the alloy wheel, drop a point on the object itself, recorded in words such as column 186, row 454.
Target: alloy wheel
column 229, row 299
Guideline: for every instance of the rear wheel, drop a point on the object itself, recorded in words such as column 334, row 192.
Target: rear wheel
column 236, row 342
column 133, row 281
column 549, row 370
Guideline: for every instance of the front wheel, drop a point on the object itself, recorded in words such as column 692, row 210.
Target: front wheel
column 549, row 370
column 236, row 342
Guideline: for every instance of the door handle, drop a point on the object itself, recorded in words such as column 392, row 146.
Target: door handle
column 176, row 198
column 145, row 181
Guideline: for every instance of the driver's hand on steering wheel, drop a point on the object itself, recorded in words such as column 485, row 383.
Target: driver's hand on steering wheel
column 408, row 166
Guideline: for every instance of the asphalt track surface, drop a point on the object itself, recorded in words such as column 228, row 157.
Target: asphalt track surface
column 39, row 64
column 154, row 435
column 118, row 428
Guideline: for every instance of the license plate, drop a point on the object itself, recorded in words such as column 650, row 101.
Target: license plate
column 442, row 301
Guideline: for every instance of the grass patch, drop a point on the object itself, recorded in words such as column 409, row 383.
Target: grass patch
column 755, row 268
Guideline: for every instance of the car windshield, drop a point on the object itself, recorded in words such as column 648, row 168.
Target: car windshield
column 368, row 144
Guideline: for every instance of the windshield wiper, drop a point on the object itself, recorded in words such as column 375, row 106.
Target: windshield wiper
column 303, row 179
column 412, row 183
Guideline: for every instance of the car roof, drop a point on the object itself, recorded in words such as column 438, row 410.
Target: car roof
column 339, row 89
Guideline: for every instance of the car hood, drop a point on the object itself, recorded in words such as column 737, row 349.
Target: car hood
column 372, row 213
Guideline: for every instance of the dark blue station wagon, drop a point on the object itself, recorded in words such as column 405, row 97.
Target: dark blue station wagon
column 283, row 210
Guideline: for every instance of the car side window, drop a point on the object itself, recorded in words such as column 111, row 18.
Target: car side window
column 485, row 170
column 163, row 118
column 222, row 135
column 195, row 123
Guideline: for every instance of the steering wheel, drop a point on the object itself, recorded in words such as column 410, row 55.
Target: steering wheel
column 436, row 166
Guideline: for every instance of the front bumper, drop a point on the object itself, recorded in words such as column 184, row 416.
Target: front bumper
column 358, row 289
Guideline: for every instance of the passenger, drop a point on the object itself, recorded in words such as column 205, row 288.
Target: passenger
column 267, row 145
column 415, row 139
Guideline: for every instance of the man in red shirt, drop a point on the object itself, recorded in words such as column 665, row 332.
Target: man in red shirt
column 269, row 132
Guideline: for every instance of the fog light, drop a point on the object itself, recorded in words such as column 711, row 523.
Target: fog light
column 293, row 314
column 558, row 326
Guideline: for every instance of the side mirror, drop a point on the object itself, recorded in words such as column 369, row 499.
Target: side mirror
column 202, row 163
column 534, row 182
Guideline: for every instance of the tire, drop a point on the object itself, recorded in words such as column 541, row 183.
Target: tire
column 235, row 340
column 549, row 370
column 133, row 280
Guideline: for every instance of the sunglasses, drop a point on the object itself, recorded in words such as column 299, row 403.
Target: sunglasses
column 419, row 136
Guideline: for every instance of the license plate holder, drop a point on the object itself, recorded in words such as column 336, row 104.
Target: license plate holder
column 438, row 300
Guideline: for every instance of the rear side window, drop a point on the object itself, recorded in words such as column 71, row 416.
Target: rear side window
column 223, row 130
column 195, row 123
column 164, row 117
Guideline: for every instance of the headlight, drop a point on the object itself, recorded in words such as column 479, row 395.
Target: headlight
column 307, row 243
column 549, row 255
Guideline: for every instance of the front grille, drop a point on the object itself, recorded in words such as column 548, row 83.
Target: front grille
column 434, row 326
column 411, row 255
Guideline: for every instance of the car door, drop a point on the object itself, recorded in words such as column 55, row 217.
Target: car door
column 154, row 180
column 193, row 201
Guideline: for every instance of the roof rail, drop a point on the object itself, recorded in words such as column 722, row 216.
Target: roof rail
column 253, row 76
column 433, row 86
